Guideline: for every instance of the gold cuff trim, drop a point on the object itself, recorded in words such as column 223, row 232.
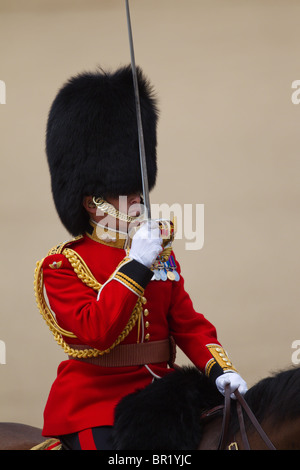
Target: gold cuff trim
column 209, row 366
column 128, row 282
column 220, row 356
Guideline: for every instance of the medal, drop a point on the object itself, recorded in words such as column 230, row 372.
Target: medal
column 173, row 265
column 168, row 269
column 162, row 271
column 171, row 275
column 165, row 270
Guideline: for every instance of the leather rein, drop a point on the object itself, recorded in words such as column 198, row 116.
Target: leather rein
column 241, row 405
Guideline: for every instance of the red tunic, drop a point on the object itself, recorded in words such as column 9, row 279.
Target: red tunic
column 84, row 395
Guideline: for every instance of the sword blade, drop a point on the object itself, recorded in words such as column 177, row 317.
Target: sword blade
column 143, row 163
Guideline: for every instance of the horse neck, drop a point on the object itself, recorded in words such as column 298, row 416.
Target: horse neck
column 211, row 434
column 284, row 436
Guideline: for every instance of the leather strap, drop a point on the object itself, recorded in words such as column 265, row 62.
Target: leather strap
column 126, row 355
column 253, row 419
column 241, row 405
column 226, row 419
column 242, row 426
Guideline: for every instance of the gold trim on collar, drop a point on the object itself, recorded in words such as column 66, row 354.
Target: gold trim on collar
column 107, row 236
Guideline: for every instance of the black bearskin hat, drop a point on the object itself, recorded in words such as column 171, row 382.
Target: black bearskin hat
column 92, row 141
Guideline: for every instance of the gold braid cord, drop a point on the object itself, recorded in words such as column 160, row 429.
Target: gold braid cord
column 85, row 275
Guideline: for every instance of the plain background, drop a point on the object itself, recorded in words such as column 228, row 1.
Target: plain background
column 228, row 138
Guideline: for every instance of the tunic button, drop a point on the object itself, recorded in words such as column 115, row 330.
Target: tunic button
column 147, row 324
column 147, row 337
column 146, row 312
column 144, row 300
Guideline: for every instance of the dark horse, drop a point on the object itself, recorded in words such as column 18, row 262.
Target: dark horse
column 183, row 411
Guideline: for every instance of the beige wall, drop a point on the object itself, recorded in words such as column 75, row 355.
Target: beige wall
column 228, row 139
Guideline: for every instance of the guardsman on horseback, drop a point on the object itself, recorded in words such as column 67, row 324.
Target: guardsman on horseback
column 114, row 295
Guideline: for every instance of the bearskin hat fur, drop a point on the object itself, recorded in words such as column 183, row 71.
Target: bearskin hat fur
column 92, row 141
column 166, row 415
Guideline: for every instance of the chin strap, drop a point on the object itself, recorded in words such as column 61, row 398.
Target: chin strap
column 109, row 209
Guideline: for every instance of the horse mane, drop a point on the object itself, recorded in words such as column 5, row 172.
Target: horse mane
column 166, row 415
column 276, row 397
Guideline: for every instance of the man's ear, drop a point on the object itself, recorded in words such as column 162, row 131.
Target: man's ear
column 89, row 205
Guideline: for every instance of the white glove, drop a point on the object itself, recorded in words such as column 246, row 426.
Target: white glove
column 234, row 380
column 146, row 243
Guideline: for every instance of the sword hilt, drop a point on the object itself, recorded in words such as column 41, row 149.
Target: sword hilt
column 167, row 232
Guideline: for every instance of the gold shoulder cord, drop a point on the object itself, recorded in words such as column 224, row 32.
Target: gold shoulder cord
column 85, row 275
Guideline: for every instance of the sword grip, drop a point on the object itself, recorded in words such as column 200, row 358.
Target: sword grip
column 167, row 231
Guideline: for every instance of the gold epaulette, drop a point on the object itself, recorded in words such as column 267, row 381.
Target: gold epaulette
column 57, row 249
